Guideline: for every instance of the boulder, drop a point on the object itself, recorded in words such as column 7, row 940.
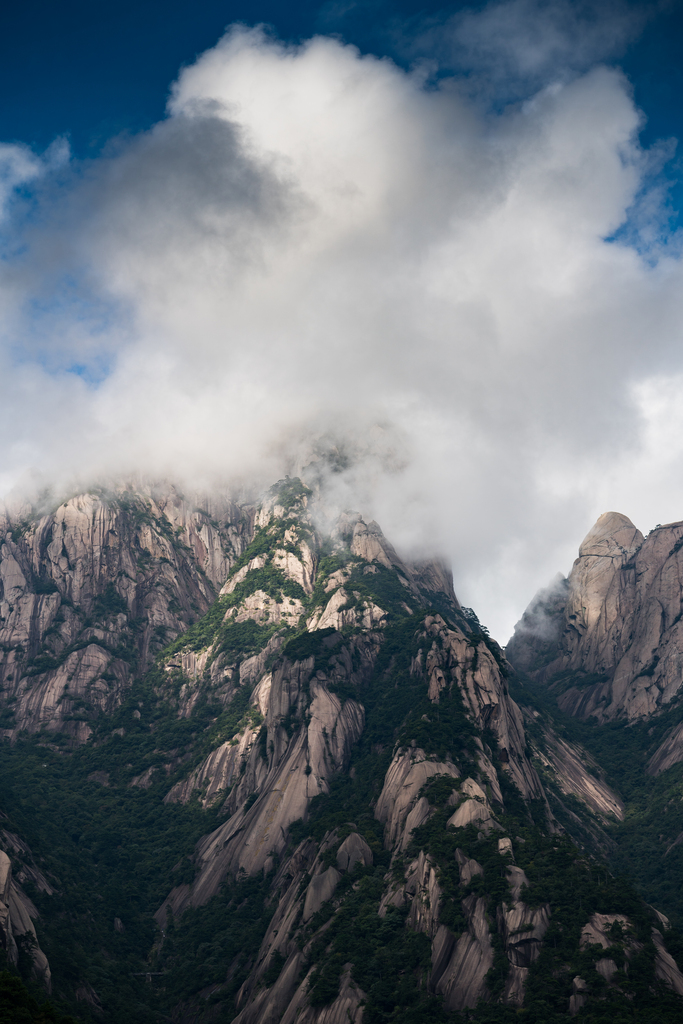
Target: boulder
column 354, row 850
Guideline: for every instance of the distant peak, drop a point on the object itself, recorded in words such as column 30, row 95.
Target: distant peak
column 611, row 528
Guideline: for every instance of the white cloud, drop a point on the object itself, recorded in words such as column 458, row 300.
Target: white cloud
column 317, row 249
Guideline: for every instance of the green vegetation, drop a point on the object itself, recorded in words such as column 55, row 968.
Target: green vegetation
column 319, row 645
column 290, row 493
column 112, row 849
column 109, row 851
column 108, row 605
column 201, row 947
column 387, row 957
column 18, row 1006
column 642, row 845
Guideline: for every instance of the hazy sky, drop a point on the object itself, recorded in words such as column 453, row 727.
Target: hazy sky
column 450, row 253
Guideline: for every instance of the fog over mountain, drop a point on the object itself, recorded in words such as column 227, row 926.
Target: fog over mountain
column 460, row 280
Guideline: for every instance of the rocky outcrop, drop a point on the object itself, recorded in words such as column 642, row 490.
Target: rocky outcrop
column 618, row 651
column 668, row 753
column 17, row 914
column 459, row 967
column 468, row 867
column 521, row 927
column 598, row 931
column 354, row 850
column 93, row 588
column 271, row 769
column 427, row 582
column 297, row 904
column 407, row 774
column 453, row 659
column 666, row 968
column 294, row 774
column 538, row 633
column 579, row 775
column 423, row 893
column 308, row 636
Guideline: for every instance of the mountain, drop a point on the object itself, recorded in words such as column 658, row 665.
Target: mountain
column 264, row 770
column 93, row 589
column 600, row 656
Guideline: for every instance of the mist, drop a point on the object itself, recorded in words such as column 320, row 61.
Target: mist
column 453, row 289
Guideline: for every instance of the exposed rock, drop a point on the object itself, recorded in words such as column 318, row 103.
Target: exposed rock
column 606, row 968
column 320, row 890
column 578, row 997
column 459, row 968
column 515, row 985
column 420, row 813
column 74, row 580
column 424, row 893
column 516, row 878
column 578, row 774
column 668, row 753
column 25, row 868
column 424, row 579
column 279, row 938
column 595, row 932
column 102, row 778
column 268, row 1005
column 522, row 929
column 354, row 850
column 294, row 703
column 300, row 569
column 406, row 776
column 666, row 968
column 473, row 812
column 455, row 661
column 241, row 574
column 336, row 614
column 538, row 632
column 620, row 644
column 17, row 914
column 144, row 779
column 469, row 867
column 215, row 774
column 296, row 771
column 347, row 1008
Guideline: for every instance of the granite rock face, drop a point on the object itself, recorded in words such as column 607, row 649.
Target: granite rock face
column 325, row 666
column 610, row 638
column 18, row 912
column 577, row 774
column 300, row 733
column 92, row 589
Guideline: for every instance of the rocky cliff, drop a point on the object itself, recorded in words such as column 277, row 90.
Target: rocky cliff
column 608, row 640
column 17, row 911
column 92, row 589
column 436, row 835
column 309, row 792
column 616, row 631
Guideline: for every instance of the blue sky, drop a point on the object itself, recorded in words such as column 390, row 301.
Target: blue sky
column 91, row 70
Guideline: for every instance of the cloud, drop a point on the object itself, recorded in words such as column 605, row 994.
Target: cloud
column 321, row 260
column 505, row 50
column 19, row 165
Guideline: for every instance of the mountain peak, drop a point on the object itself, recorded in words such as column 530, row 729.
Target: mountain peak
column 611, row 532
